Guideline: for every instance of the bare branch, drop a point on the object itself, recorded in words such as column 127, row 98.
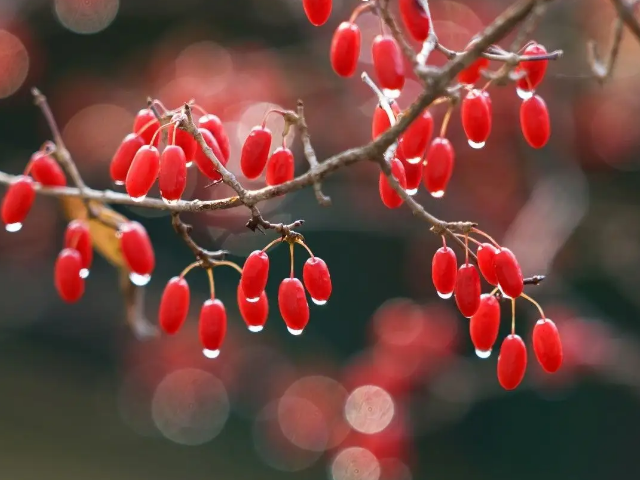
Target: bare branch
column 626, row 14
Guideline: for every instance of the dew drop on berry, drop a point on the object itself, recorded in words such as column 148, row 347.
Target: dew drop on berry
column 412, row 192
column 295, row 332
column 190, row 164
column 139, row 280
column 392, row 94
column 13, row 227
column 253, row 300
column 438, row 194
column 524, row 94
column 255, row 328
column 139, row 199
column 318, row 302
column 210, row 353
column 119, row 183
column 84, row 273
column 475, row 145
column 445, row 296
column 483, row 353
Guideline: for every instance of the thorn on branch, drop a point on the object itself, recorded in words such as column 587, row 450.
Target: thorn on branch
column 535, row 280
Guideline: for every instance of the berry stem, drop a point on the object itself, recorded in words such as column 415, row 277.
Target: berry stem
column 153, row 139
column 460, row 235
column 271, row 244
column 147, row 125
column 493, row 292
column 486, row 235
column 291, row 255
column 360, row 9
column 466, row 248
column 306, row 247
column 527, row 297
column 513, row 316
column 212, row 287
column 274, row 110
column 220, row 263
column 445, row 122
column 189, row 268
column 158, row 103
column 175, row 128
column 201, row 110
column 444, row 241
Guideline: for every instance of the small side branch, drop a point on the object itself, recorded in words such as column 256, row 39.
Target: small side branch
column 602, row 70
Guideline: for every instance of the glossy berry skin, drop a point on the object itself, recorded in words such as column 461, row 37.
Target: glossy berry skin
column 255, row 152
column 468, row 290
column 69, row 284
column 146, row 125
column 473, row 72
column 213, row 324
column 388, row 62
column 293, row 305
column 172, row 178
column 416, row 138
column 280, row 166
column 18, row 200
column 415, row 19
column 439, row 168
column 143, row 172
column 547, row 345
column 389, row 196
column 174, row 305
column 46, row 171
column 512, row 362
column 121, row 161
column 255, row 274
column 184, row 140
column 137, row 249
column 380, row 122
column 476, row 116
column 254, row 314
column 485, row 323
column 345, row 49
column 534, row 121
column 412, row 171
column 214, row 125
column 317, row 279
column 444, row 270
column 204, row 164
column 508, row 273
column 534, row 69
column 486, row 255
column 317, row 11
column 78, row 237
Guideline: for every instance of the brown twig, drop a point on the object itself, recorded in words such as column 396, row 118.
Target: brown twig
column 602, row 70
column 626, row 14
column 207, row 258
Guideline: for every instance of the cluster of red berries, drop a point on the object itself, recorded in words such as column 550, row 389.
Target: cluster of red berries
column 500, row 268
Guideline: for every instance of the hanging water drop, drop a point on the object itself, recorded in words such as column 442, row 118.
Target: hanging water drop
column 84, row 273
column 119, row 183
column 210, row 353
column 524, row 94
column 483, row 353
column 414, row 160
column 139, row 199
column 318, row 302
column 446, row 296
column 438, row 194
column 392, row 94
column 293, row 331
column 13, row 227
column 475, row 145
column 412, row 191
column 139, row 280
column 253, row 300
column 189, row 164
column 255, row 328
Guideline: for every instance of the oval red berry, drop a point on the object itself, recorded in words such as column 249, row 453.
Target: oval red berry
column 476, row 117
column 183, row 139
column 143, row 172
column 174, row 305
column 172, row 178
column 146, row 125
column 214, row 125
column 389, row 196
column 547, row 345
column 485, row 325
column 67, row 279
column 439, row 168
column 280, row 167
column 416, row 138
column 388, row 62
column 345, row 49
column 415, row 19
column 468, row 290
column 213, row 324
column 122, row 159
column 46, row 171
column 17, row 202
column 534, row 121
column 78, row 237
column 293, row 305
column 317, row 11
column 486, row 256
column 255, row 152
column 380, row 122
column 255, row 274
column 254, row 314
column 137, row 249
column 204, row 163
column 444, row 270
column 534, row 70
column 512, row 362
column 317, row 280
column 508, row 273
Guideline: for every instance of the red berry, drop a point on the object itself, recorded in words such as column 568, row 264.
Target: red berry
column 46, row 171
column 172, row 178
column 485, row 324
column 146, row 125
column 123, row 157
column 547, row 345
column 174, row 305
column 439, row 168
column 381, row 123
column 534, row 121
column 415, row 19
column 345, row 49
column 280, row 166
column 214, row 125
column 204, row 163
column 444, row 270
column 486, row 255
column 417, row 137
column 137, row 249
column 317, row 280
column 17, row 202
column 468, row 290
column 534, row 69
column 318, row 11
column 213, row 324
column 508, row 273
column 78, row 237
column 67, row 279
column 413, row 171
column 255, row 274
column 255, row 314
column 294, row 308
column 184, row 140
column 512, row 362
column 388, row 62
column 476, row 117
column 143, row 172
column 473, row 72
column 255, row 152
column 389, row 196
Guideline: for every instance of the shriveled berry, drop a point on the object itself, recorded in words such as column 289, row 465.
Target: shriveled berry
column 439, row 168
column 254, row 314
column 485, row 324
column 547, row 345
column 213, row 324
column 255, row 274
column 389, row 196
column 213, row 123
column 255, row 152
column 78, row 237
column 172, row 178
column 345, row 49
column 184, row 140
column 486, row 255
column 508, row 273
column 415, row 19
column 17, row 202
column 380, row 122
column 417, row 137
column 174, row 305
column 121, row 161
column 46, row 171
column 534, row 121
column 534, row 70
column 293, row 305
column 512, row 362
column 143, row 172
column 444, row 270
column 468, row 290
column 388, row 62
column 280, row 166
column 476, row 117
column 67, row 279
column 317, row 280
column 146, row 125
column 204, row 163
column 137, row 248
column 318, row 11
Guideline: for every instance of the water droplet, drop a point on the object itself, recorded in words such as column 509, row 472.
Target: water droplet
column 210, row 353
column 483, row 353
column 256, row 328
column 475, row 145
column 139, row 199
column 139, row 280
column 119, row 183
column 524, row 94
column 445, row 295
column 414, row 160
column 84, row 273
column 293, row 331
column 253, row 300
column 189, row 164
column 438, row 194
column 412, row 191
column 170, row 202
column 503, row 294
column 393, row 94
column 318, row 302
column 13, row 227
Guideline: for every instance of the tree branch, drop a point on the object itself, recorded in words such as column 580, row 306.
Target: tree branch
column 626, row 14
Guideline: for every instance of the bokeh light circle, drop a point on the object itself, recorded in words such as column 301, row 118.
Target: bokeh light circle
column 86, row 16
column 355, row 463
column 369, row 409
column 14, row 63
